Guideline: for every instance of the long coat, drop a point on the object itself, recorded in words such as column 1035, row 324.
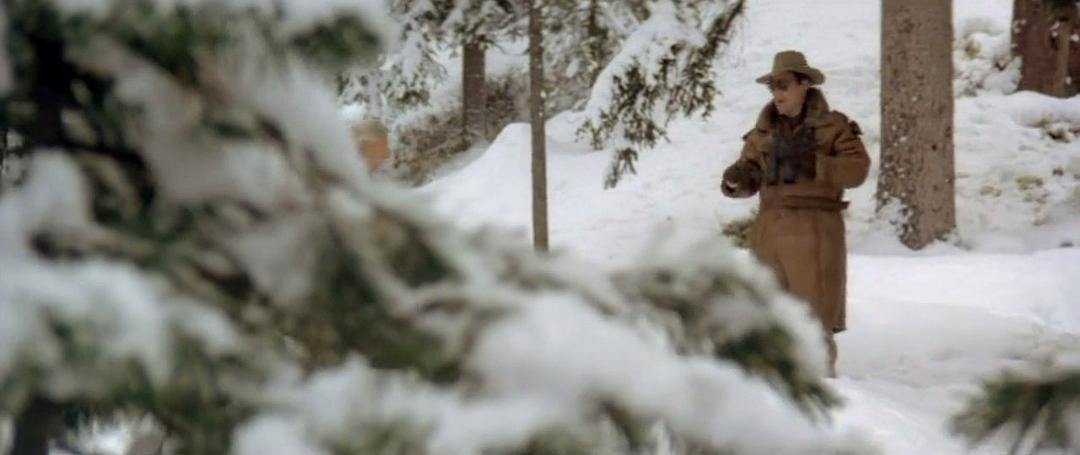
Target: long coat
column 799, row 229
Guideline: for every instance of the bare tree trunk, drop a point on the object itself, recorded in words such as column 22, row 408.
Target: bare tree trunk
column 3, row 155
column 33, row 427
column 917, row 118
column 1073, row 81
column 536, row 117
column 1059, row 37
column 474, row 93
column 1042, row 38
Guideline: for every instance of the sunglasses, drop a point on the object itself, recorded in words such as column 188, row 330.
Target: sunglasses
column 782, row 84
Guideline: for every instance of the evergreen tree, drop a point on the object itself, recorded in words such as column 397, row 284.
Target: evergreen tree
column 664, row 68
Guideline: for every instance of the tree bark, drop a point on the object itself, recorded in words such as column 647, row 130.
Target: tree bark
column 474, row 93
column 917, row 167
column 3, row 155
column 1042, row 38
column 1073, row 80
column 536, row 115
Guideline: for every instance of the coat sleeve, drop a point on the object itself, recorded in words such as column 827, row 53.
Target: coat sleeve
column 848, row 164
column 743, row 178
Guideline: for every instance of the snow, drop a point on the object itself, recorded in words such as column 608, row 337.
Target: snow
column 917, row 347
column 924, row 327
column 275, row 435
column 533, row 358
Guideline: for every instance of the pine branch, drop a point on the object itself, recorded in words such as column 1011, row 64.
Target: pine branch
column 645, row 96
column 1035, row 411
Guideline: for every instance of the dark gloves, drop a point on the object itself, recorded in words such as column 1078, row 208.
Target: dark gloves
column 741, row 179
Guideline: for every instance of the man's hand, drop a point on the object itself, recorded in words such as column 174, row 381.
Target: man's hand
column 741, row 179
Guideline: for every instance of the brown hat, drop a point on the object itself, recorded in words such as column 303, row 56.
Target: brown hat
column 793, row 61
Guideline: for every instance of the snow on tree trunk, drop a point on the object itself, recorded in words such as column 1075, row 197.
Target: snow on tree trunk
column 1042, row 38
column 537, row 119
column 474, row 93
column 917, row 169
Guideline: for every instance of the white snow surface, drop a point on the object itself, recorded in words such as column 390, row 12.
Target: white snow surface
column 924, row 327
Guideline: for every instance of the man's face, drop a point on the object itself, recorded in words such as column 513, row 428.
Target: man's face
column 788, row 93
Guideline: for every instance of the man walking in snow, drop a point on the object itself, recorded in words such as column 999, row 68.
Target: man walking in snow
column 801, row 156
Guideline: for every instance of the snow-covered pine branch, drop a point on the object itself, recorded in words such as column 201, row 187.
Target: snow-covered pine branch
column 1037, row 409
column 409, row 73
column 663, row 69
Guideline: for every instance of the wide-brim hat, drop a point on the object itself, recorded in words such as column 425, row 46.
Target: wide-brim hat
column 795, row 62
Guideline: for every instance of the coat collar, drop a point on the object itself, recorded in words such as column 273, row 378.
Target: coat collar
column 817, row 111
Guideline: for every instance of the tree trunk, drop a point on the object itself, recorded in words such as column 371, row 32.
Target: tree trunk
column 1042, row 38
column 3, row 155
column 917, row 118
column 536, row 118
column 34, row 425
column 1073, row 80
column 474, row 94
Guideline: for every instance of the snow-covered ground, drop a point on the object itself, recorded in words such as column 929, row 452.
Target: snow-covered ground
column 924, row 327
column 924, row 330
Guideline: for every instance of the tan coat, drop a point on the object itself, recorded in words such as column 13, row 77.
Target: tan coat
column 799, row 230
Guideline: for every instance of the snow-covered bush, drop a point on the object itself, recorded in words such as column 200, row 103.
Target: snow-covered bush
column 982, row 58
column 198, row 241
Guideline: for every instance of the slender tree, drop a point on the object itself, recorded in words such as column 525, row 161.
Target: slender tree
column 474, row 94
column 537, row 119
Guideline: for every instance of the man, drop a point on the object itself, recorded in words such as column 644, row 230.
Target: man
column 801, row 156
